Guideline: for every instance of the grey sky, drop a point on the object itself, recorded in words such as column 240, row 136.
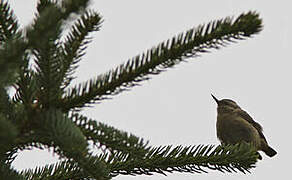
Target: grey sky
column 176, row 107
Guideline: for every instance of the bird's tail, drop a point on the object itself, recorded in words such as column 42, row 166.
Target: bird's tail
column 269, row 151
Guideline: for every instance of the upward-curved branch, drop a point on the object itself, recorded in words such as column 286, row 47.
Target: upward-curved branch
column 156, row 60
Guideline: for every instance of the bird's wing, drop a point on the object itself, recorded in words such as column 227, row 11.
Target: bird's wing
column 256, row 125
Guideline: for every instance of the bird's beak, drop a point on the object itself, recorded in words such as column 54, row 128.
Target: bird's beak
column 217, row 101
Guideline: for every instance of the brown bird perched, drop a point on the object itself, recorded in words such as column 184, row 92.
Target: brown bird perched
column 234, row 125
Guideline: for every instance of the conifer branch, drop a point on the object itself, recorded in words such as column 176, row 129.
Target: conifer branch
column 74, row 6
column 8, row 23
column 57, row 131
column 11, row 59
column 7, row 172
column 76, row 43
column 192, row 159
column 56, row 61
column 26, row 87
column 161, row 160
column 44, row 41
column 60, row 170
column 50, row 18
column 61, row 132
column 8, row 134
column 12, row 46
column 192, row 43
column 64, row 170
column 129, row 155
column 112, row 139
column 6, row 106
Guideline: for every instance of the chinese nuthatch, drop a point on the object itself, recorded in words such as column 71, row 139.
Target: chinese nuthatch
column 234, row 125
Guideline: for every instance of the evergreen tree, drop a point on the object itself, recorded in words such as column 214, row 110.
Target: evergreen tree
column 44, row 112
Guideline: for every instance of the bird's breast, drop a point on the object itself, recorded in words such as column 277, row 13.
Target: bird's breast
column 232, row 129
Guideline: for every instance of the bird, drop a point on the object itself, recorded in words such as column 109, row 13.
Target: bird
column 235, row 125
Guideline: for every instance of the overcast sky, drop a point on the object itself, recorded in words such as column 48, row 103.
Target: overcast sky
column 175, row 107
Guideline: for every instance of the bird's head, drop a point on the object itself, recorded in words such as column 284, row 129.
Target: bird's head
column 225, row 105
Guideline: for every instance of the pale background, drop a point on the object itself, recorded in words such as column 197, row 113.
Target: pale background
column 175, row 107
